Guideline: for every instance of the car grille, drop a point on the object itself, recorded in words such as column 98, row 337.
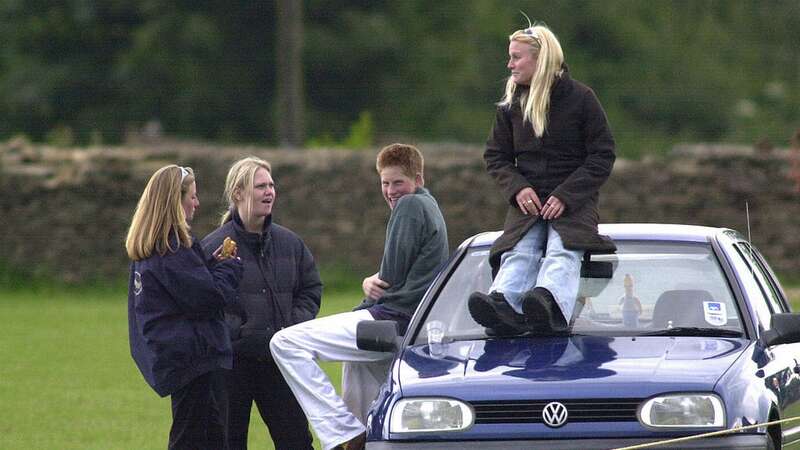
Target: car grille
column 530, row 411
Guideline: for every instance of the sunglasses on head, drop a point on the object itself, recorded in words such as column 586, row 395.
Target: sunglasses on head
column 529, row 32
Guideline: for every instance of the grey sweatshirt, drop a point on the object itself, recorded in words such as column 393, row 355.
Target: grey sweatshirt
column 416, row 247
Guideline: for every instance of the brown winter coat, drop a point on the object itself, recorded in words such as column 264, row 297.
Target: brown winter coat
column 571, row 161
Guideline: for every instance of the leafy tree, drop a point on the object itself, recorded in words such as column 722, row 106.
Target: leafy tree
column 57, row 61
column 665, row 71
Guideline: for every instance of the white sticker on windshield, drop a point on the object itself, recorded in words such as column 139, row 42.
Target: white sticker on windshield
column 715, row 313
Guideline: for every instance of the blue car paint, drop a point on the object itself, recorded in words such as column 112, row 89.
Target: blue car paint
column 577, row 367
column 753, row 382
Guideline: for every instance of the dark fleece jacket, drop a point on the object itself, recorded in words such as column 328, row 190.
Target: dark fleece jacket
column 280, row 287
column 571, row 161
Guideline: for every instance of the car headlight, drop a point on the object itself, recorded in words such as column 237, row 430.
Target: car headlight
column 424, row 415
column 683, row 411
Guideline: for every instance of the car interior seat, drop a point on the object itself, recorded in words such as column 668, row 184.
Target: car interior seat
column 684, row 307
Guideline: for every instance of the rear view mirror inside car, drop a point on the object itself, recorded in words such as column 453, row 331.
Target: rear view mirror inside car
column 596, row 269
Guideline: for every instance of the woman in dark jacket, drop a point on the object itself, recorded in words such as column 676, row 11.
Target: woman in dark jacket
column 280, row 287
column 550, row 151
column 177, row 334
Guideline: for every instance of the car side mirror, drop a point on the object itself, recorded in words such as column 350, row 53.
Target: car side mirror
column 378, row 335
column 785, row 330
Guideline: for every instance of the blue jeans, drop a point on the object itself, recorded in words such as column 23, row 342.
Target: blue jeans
column 540, row 260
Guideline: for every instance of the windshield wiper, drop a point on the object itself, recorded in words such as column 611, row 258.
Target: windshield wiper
column 694, row 331
column 517, row 334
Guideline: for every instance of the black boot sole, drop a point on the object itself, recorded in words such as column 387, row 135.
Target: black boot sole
column 486, row 311
column 483, row 312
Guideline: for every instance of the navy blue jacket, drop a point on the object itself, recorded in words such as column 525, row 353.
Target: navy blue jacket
column 175, row 320
column 281, row 285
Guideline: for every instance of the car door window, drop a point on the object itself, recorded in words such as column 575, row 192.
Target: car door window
column 762, row 278
column 755, row 293
column 780, row 295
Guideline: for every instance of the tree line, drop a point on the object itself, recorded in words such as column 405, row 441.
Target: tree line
column 328, row 72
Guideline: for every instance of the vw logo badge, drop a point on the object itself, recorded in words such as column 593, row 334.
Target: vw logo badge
column 554, row 414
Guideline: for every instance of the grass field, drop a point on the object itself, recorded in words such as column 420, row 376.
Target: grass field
column 67, row 380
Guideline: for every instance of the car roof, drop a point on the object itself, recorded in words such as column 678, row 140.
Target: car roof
column 637, row 231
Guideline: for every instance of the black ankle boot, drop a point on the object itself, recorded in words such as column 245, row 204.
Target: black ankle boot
column 542, row 313
column 493, row 312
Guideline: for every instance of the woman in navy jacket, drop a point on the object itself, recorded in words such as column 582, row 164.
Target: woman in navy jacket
column 177, row 334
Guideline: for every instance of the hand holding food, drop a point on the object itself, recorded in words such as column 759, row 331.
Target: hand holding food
column 228, row 248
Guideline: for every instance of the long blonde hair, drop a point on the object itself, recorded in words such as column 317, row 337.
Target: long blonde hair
column 160, row 213
column 240, row 180
column 550, row 57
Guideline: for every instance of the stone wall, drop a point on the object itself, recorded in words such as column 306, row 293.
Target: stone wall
column 65, row 212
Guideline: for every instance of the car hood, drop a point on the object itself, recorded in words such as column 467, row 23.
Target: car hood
column 567, row 367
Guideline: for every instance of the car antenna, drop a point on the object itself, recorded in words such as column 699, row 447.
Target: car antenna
column 747, row 216
column 749, row 240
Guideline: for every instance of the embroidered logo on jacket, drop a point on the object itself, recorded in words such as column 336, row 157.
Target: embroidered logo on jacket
column 137, row 283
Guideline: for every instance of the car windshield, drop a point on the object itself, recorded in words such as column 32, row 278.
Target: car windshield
column 656, row 288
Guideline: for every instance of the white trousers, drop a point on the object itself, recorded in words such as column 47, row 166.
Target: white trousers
column 333, row 338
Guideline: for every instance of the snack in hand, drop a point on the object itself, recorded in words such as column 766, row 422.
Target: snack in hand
column 228, row 247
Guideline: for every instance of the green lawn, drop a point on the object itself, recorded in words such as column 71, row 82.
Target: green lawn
column 67, row 380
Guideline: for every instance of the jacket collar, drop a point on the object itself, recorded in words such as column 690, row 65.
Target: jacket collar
column 560, row 85
column 253, row 239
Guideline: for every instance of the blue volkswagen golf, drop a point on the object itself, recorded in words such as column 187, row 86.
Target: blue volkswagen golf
column 684, row 331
